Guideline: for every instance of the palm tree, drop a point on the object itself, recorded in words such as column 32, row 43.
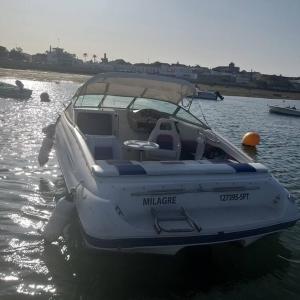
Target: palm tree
column 85, row 56
column 94, row 57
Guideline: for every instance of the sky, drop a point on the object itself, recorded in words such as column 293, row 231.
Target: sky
column 262, row 35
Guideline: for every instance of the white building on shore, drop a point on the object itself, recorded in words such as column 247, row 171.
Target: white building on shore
column 174, row 70
column 59, row 56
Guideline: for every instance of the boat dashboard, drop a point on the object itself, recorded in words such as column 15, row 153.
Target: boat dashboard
column 144, row 120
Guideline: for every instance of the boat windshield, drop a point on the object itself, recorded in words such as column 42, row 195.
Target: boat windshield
column 103, row 101
column 88, row 101
column 109, row 101
column 163, row 106
column 187, row 116
column 166, row 107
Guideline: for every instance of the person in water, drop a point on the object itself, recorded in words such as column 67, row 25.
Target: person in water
column 19, row 84
column 45, row 97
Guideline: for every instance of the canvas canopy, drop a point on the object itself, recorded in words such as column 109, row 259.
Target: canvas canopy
column 138, row 85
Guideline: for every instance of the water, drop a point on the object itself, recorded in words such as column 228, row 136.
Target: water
column 269, row 269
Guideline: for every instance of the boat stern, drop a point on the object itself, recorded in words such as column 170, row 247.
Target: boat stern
column 176, row 211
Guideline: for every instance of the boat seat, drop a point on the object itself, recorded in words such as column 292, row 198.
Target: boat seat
column 166, row 136
column 104, row 147
column 103, row 153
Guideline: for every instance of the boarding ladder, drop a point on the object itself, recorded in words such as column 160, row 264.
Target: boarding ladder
column 173, row 222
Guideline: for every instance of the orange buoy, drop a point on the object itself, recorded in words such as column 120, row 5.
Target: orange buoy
column 251, row 139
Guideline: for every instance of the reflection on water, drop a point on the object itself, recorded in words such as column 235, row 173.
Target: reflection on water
column 193, row 273
column 64, row 270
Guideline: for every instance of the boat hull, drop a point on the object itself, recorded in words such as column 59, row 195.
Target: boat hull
column 172, row 245
column 284, row 111
column 106, row 228
column 215, row 96
column 18, row 94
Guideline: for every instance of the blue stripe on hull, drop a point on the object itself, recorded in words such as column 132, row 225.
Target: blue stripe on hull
column 126, row 167
column 189, row 240
column 130, row 169
column 242, row 168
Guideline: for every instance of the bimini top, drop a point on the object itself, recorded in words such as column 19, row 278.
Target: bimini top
column 137, row 85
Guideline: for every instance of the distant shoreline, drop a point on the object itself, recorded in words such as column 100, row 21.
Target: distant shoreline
column 250, row 92
column 42, row 75
column 224, row 90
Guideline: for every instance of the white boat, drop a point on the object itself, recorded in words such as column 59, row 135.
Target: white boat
column 293, row 111
column 148, row 176
column 208, row 95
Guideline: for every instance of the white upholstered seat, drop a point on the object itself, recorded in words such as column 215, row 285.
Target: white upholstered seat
column 104, row 147
column 166, row 136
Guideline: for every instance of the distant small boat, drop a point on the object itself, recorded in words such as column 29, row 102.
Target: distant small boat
column 208, row 95
column 293, row 111
column 14, row 91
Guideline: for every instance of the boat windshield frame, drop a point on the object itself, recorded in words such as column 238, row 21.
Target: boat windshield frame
column 133, row 100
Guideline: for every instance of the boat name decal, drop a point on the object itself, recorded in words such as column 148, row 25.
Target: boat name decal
column 234, row 197
column 164, row 200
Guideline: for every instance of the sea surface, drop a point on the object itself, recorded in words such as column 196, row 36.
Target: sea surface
column 31, row 269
